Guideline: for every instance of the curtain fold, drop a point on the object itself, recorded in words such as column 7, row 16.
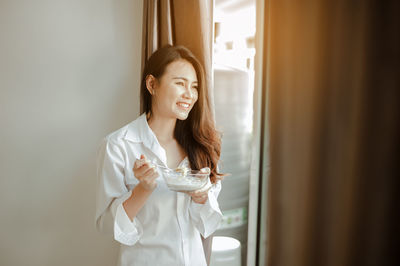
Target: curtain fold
column 181, row 22
column 157, row 26
column 332, row 73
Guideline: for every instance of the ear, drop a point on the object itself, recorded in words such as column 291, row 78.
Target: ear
column 151, row 83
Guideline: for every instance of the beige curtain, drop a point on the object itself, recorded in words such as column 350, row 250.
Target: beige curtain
column 332, row 73
column 181, row 22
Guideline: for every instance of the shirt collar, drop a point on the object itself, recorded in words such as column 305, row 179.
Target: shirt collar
column 140, row 131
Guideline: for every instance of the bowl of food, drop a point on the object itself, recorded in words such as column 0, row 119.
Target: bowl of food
column 184, row 179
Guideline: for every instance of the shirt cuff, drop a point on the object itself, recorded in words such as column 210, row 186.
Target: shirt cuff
column 206, row 217
column 126, row 231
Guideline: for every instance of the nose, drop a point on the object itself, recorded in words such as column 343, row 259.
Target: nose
column 188, row 93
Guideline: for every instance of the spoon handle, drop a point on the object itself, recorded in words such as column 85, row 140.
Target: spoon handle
column 158, row 165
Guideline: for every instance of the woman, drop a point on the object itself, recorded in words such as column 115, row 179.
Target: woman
column 157, row 226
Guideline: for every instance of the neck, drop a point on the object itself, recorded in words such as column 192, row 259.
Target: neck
column 162, row 127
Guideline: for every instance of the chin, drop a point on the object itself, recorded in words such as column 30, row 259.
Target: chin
column 182, row 116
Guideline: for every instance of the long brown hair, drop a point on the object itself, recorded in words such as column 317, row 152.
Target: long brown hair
column 197, row 134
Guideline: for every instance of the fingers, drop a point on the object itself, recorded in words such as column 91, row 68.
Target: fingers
column 144, row 170
column 150, row 174
column 140, row 162
column 147, row 174
column 202, row 195
column 199, row 193
column 149, row 182
column 200, row 198
column 154, row 176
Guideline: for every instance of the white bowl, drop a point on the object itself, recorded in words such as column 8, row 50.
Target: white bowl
column 185, row 179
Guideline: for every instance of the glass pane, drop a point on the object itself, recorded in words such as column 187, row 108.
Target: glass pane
column 234, row 50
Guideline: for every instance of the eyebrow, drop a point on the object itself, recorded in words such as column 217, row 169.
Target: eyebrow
column 185, row 79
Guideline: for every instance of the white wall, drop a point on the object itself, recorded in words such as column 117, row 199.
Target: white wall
column 69, row 75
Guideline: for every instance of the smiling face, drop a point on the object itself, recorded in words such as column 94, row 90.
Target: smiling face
column 175, row 93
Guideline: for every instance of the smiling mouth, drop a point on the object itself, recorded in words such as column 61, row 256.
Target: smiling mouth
column 184, row 105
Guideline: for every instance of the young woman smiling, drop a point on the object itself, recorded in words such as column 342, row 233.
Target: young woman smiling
column 155, row 225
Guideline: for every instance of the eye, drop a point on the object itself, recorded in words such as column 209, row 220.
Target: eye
column 180, row 83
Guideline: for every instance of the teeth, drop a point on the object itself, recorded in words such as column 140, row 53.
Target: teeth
column 183, row 105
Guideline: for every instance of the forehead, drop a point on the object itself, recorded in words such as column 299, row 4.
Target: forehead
column 181, row 68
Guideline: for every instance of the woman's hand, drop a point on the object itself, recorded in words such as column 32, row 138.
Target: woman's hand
column 146, row 173
column 200, row 196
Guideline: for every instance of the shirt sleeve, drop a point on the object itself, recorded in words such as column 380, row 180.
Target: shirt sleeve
column 207, row 217
column 111, row 217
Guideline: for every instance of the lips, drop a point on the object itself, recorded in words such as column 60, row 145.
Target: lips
column 183, row 105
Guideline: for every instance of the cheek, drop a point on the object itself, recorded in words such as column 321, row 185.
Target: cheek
column 169, row 96
column 175, row 92
column 195, row 95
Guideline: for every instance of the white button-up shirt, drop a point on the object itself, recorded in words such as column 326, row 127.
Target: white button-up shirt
column 167, row 229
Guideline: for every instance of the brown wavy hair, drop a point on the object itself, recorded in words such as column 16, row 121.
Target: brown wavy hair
column 197, row 134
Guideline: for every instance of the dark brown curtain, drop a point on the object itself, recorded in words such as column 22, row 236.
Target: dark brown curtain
column 181, row 22
column 332, row 73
